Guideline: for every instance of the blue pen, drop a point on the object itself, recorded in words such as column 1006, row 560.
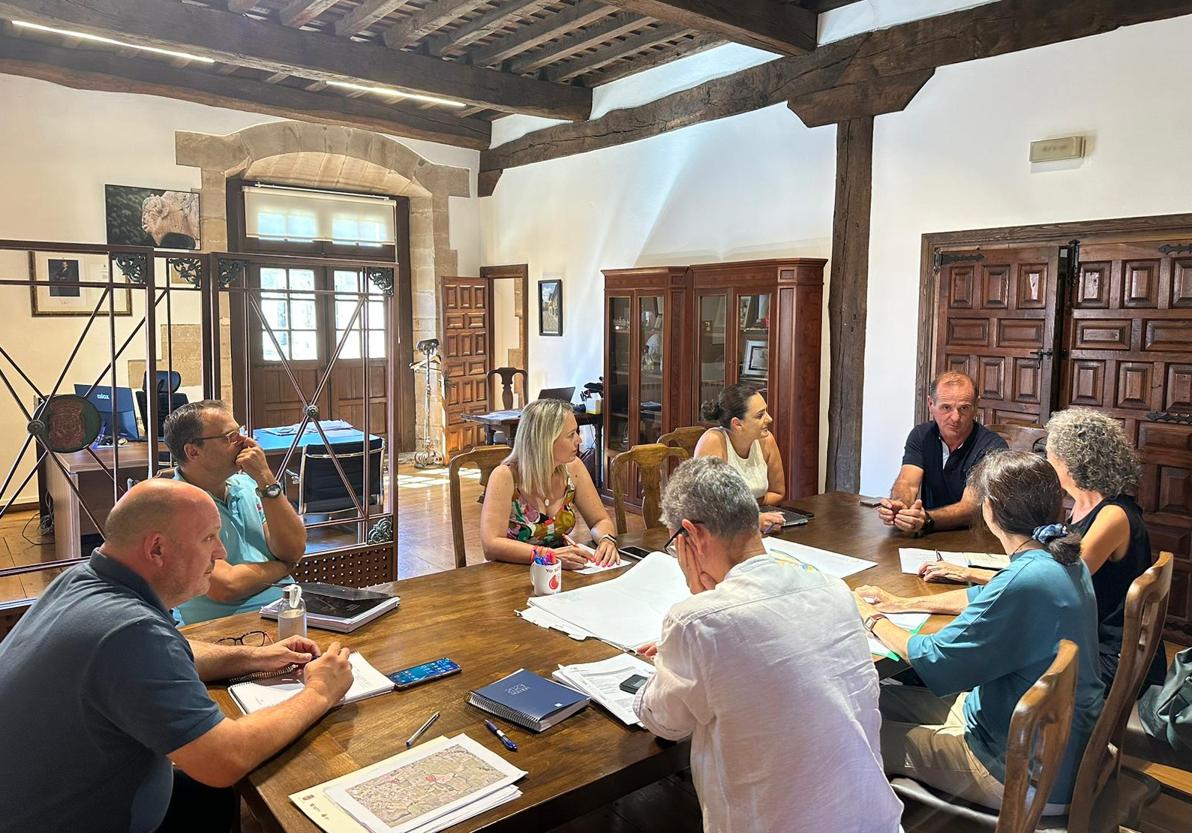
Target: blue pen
column 509, row 744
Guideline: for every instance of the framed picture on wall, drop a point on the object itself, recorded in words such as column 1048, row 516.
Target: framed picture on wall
column 755, row 362
column 550, row 308
column 151, row 217
column 58, row 290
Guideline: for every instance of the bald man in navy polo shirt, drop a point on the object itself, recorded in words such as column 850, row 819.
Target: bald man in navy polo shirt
column 931, row 490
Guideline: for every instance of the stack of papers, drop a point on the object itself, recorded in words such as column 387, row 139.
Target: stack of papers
column 601, row 681
column 831, row 563
column 907, row 621
column 913, row 558
column 625, row 612
column 254, row 696
column 428, row 788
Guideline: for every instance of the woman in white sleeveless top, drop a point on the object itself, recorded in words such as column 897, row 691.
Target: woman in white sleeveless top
column 742, row 438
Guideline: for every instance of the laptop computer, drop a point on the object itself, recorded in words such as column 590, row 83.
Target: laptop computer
column 563, row 394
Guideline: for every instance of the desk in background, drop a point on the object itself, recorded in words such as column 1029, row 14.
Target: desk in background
column 467, row 614
column 507, row 421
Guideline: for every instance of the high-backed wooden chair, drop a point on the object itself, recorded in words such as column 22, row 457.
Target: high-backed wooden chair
column 684, row 438
column 1104, row 797
column 484, row 457
column 649, row 460
column 507, row 375
column 1020, row 437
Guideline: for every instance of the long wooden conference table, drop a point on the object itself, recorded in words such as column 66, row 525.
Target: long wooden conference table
column 467, row 614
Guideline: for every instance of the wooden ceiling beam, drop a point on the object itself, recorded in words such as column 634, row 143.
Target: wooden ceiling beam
column 891, row 60
column 365, row 15
column 606, row 55
column 235, row 39
column 482, row 27
column 653, row 58
column 536, row 34
column 616, row 26
column 765, row 24
column 107, row 71
column 301, row 12
column 436, row 15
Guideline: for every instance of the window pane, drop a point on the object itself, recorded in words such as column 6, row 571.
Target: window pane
column 273, row 279
column 302, row 279
column 351, row 345
column 302, row 226
column 268, row 352
column 376, row 344
column 270, row 224
column 343, row 314
column 302, row 315
column 376, row 315
column 274, row 313
column 347, row 281
column 306, row 346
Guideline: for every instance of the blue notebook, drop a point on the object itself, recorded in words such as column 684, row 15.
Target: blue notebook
column 528, row 700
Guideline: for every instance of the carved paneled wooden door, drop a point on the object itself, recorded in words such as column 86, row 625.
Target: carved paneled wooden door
column 996, row 321
column 465, row 328
column 1129, row 337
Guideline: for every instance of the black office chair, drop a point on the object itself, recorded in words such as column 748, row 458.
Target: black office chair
column 168, row 398
column 320, row 488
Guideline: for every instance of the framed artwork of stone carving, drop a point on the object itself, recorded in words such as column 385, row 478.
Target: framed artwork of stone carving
column 151, row 217
column 58, row 291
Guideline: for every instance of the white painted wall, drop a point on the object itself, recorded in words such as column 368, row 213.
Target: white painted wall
column 956, row 159
column 59, row 148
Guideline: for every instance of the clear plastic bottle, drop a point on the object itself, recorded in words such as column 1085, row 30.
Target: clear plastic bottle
column 291, row 621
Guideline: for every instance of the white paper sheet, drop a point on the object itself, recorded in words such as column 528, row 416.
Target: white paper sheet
column 626, row 611
column 913, row 558
column 543, row 619
column 367, row 681
column 594, row 568
column 602, row 680
column 907, row 621
column 832, row 563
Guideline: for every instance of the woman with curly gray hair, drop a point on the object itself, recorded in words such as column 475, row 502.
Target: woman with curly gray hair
column 1099, row 471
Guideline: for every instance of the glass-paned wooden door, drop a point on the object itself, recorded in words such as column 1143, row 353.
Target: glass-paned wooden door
column 753, row 340
column 620, row 338
column 650, row 376
column 713, row 335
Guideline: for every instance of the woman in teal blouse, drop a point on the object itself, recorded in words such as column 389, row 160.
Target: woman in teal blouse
column 952, row 734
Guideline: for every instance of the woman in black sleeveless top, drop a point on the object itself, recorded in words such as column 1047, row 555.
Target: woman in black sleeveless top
column 1099, row 471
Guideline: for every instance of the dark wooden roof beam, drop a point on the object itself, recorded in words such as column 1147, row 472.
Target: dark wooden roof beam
column 96, row 70
column 365, row 15
column 436, row 15
column 616, row 26
column 543, row 31
column 301, row 12
column 613, row 52
column 654, row 57
column 765, row 24
column 235, row 39
column 482, row 26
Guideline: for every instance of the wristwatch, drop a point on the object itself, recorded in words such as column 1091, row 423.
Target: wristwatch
column 272, row 490
column 871, row 621
column 928, row 524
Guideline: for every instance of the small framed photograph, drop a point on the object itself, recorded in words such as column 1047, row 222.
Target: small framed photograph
column 755, row 362
column 550, row 308
column 64, row 296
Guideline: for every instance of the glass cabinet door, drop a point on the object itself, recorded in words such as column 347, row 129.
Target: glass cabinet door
column 712, row 341
column 753, row 340
column 650, row 368
column 617, row 384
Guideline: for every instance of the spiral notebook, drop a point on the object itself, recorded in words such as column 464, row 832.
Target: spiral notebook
column 528, row 700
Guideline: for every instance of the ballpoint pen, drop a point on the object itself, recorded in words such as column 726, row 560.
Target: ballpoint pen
column 509, row 744
column 414, row 737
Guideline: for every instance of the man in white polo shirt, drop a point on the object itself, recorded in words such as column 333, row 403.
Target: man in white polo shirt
column 263, row 535
column 767, row 668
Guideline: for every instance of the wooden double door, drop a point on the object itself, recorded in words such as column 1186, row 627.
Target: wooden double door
column 1105, row 325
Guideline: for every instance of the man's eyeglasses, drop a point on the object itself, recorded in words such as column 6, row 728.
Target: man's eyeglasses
column 680, row 531
column 227, row 437
column 253, row 639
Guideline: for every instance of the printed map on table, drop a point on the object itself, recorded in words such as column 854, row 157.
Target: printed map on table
column 425, row 786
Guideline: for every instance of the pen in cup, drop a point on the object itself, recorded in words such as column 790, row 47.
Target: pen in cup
column 414, row 737
column 504, row 738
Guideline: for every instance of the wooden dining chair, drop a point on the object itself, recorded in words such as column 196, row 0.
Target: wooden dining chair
column 685, row 438
column 1039, row 731
column 1020, row 437
column 650, row 460
column 1104, row 796
column 507, row 374
column 484, row 457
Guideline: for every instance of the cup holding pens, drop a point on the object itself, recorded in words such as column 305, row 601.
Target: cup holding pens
column 546, row 572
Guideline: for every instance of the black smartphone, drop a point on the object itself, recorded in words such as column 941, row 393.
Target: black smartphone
column 634, row 552
column 630, row 685
column 424, row 673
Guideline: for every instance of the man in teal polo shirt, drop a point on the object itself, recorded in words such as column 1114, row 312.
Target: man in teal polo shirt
column 263, row 535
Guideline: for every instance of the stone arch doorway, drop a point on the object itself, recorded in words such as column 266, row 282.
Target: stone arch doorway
column 339, row 158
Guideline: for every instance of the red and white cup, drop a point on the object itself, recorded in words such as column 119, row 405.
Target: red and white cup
column 546, row 578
